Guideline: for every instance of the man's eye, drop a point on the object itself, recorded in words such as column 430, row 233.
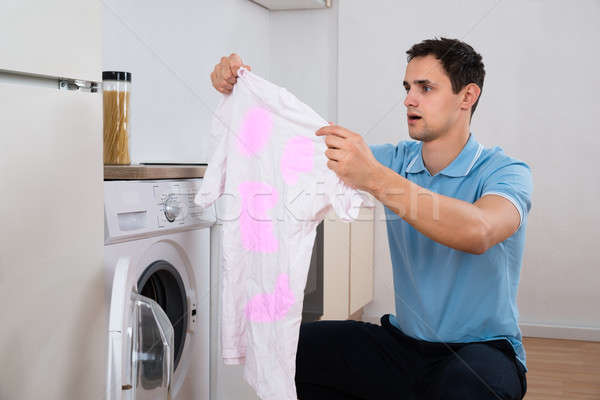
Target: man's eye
column 426, row 88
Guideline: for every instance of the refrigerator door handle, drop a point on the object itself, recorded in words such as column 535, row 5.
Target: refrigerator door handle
column 50, row 82
column 76, row 84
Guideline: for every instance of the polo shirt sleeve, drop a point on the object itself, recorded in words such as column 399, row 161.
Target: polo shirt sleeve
column 513, row 182
column 387, row 154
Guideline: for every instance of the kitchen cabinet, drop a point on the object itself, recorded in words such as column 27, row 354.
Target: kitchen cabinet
column 59, row 38
column 347, row 265
column 361, row 261
column 53, row 335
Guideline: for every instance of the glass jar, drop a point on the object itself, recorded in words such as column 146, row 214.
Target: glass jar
column 116, row 90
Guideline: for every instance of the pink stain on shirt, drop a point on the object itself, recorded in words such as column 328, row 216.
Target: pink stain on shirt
column 298, row 157
column 255, row 225
column 269, row 307
column 255, row 131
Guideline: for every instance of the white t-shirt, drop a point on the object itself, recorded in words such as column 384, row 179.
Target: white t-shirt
column 271, row 186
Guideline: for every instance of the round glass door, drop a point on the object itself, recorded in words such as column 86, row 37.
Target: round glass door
column 162, row 283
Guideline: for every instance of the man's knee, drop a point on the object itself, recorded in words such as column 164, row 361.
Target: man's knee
column 321, row 347
column 480, row 372
column 315, row 336
column 461, row 383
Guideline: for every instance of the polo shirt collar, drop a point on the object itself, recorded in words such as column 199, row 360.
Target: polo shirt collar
column 459, row 167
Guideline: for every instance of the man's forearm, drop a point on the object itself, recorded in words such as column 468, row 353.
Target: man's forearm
column 451, row 222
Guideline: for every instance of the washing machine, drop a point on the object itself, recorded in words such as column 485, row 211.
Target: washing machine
column 157, row 268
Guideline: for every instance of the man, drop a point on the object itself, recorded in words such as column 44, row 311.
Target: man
column 456, row 218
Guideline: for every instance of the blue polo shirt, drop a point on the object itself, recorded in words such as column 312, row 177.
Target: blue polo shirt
column 447, row 295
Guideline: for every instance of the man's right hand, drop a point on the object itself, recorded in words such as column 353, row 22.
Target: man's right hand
column 224, row 76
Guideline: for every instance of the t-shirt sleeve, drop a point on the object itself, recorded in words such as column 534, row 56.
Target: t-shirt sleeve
column 322, row 190
column 513, row 182
column 345, row 201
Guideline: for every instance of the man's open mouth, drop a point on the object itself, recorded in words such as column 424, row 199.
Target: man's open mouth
column 413, row 117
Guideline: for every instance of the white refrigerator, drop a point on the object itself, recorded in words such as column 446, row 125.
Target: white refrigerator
column 53, row 318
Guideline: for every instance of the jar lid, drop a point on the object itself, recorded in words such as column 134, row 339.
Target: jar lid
column 116, row 76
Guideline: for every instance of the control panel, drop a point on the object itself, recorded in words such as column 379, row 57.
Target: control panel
column 144, row 208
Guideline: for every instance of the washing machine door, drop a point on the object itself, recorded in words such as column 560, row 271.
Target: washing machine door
column 140, row 342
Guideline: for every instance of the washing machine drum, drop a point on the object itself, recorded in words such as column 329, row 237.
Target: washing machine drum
column 162, row 283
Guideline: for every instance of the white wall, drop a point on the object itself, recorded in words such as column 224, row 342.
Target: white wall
column 303, row 54
column 171, row 50
column 540, row 103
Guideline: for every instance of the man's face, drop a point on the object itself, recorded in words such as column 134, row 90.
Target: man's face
column 431, row 106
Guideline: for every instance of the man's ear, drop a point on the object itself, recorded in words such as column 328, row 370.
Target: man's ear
column 470, row 94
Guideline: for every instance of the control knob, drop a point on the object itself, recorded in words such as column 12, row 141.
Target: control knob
column 172, row 207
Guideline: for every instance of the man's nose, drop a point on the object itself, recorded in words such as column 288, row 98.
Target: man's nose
column 410, row 100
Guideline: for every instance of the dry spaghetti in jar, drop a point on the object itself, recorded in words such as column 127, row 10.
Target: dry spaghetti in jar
column 116, row 88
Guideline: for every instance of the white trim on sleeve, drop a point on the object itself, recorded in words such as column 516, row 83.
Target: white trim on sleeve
column 512, row 200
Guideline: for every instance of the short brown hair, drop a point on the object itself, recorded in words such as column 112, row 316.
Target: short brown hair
column 460, row 61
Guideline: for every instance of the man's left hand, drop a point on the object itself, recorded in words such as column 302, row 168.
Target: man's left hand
column 349, row 157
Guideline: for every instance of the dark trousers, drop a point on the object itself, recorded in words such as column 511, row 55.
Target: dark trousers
column 357, row 360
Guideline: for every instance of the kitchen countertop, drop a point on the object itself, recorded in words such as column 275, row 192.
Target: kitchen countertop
column 154, row 171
